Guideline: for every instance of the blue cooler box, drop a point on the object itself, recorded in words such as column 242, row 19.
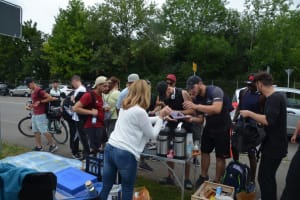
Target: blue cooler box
column 72, row 180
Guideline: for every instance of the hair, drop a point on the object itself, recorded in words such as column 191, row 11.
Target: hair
column 264, row 77
column 76, row 77
column 139, row 94
column 114, row 80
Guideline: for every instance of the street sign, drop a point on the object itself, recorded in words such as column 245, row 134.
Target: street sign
column 194, row 67
column 289, row 72
column 10, row 19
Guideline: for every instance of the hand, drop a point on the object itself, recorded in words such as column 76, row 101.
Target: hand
column 106, row 108
column 169, row 119
column 166, row 111
column 245, row 113
column 293, row 138
column 189, row 105
column 94, row 112
column 36, row 104
column 189, row 118
column 54, row 98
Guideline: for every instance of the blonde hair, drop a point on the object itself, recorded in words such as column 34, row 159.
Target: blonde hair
column 139, row 94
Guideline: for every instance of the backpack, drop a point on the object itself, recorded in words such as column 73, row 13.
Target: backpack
column 236, row 175
column 83, row 118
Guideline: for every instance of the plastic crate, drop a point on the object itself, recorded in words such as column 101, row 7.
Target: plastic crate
column 94, row 165
column 72, row 180
column 208, row 189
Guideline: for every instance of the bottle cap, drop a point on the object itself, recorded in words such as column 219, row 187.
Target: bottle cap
column 88, row 183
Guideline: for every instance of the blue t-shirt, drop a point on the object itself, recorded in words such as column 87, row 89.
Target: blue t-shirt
column 122, row 96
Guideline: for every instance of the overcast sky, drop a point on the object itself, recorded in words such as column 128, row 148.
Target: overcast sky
column 44, row 11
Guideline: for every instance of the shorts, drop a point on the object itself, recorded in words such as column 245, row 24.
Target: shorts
column 220, row 141
column 39, row 124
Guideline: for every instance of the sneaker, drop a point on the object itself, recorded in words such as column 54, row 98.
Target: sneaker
column 188, row 184
column 166, row 181
column 77, row 156
column 145, row 166
column 37, row 148
column 200, row 181
column 53, row 148
column 251, row 187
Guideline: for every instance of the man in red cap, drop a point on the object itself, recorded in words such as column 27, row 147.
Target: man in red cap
column 171, row 80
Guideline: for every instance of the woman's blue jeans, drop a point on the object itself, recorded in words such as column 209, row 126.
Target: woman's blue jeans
column 124, row 162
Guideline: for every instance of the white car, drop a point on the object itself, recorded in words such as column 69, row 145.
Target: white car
column 292, row 101
column 65, row 90
column 21, row 90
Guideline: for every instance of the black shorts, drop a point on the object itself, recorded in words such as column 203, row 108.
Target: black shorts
column 220, row 141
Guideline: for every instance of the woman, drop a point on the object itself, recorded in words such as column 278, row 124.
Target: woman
column 133, row 129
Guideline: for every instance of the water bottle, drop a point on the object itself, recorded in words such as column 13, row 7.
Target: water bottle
column 92, row 192
column 189, row 145
column 218, row 193
column 94, row 120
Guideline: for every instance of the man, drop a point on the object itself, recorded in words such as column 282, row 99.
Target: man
column 39, row 119
column 171, row 80
column 217, row 124
column 249, row 99
column 78, row 133
column 275, row 145
column 55, row 92
column 174, row 98
column 91, row 105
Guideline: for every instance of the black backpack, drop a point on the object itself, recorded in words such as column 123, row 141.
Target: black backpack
column 237, row 175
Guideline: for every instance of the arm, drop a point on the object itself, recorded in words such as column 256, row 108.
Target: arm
column 187, row 97
column 79, row 106
column 296, row 132
column 257, row 117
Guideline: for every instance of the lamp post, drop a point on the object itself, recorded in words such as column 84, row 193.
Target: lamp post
column 289, row 72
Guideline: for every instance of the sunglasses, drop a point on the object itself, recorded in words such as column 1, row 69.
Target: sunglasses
column 170, row 82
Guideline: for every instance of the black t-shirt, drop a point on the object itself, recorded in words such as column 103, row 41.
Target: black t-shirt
column 275, row 145
column 217, row 122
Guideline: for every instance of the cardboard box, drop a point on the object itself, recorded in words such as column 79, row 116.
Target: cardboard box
column 208, row 189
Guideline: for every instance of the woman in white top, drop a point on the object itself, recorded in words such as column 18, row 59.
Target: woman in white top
column 133, row 129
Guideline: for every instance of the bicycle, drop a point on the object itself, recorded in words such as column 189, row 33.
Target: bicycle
column 56, row 126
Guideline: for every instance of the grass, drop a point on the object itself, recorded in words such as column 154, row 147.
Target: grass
column 156, row 190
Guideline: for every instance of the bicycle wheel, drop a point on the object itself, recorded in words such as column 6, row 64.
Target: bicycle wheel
column 60, row 132
column 25, row 127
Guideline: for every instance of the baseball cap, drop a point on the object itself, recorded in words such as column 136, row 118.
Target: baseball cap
column 192, row 80
column 27, row 80
column 171, row 77
column 250, row 79
column 161, row 88
column 100, row 80
column 133, row 77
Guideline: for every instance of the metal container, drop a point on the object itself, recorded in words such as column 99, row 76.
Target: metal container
column 163, row 142
column 180, row 142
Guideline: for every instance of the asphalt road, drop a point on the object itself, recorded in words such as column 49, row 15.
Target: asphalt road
column 12, row 109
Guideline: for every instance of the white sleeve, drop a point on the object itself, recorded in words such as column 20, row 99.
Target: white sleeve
column 146, row 125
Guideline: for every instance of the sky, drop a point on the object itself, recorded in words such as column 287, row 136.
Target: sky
column 44, row 11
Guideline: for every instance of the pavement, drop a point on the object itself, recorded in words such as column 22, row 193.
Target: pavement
column 12, row 109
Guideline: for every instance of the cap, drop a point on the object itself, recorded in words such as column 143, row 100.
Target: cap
column 100, row 80
column 171, row 77
column 27, row 80
column 192, row 80
column 133, row 77
column 250, row 79
column 161, row 88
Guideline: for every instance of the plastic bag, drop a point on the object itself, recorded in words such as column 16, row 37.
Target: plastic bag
column 141, row 193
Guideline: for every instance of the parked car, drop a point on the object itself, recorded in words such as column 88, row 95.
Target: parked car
column 4, row 89
column 293, row 106
column 21, row 90
column 65, row 90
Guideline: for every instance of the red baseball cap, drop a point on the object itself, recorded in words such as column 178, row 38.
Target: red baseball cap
column 171, row 77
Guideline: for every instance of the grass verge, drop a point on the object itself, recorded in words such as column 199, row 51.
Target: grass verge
column 11, row 150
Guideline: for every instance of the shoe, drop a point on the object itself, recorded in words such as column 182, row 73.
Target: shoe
column 200, row 181
column 145, row 166
column 166, row 181
column 76, row 156
column 53, row 148
column 251, row 187
column 37, row 148
column 188, row 184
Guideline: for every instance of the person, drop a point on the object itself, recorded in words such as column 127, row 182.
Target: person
column 249, row 99
column 130, row 79
column 111, row 99
column 91, row 104
column 171, row 80
column 55, row 92
column 291, row 188
column 274, row 147
column 174, row 98
column 39, row 119
column 209, row 101
column 133, row 129
column 78, row 134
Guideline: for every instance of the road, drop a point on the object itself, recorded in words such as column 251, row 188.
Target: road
column 12, row 110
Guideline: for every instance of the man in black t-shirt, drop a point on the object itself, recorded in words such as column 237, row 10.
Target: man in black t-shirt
column 210, row 101
column 275, row 145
